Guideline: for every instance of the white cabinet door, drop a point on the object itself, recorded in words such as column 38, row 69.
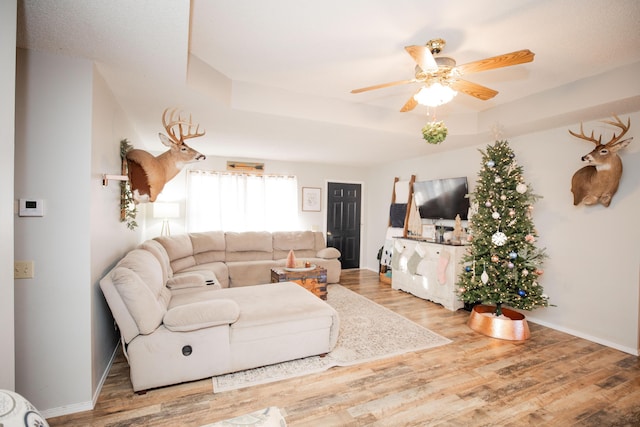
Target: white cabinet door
column 427, row 270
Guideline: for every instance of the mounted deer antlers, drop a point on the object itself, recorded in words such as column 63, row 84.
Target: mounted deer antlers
column 598, row 181
column 149, row 174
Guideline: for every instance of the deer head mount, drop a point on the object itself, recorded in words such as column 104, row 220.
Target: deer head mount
column 147, row 173
column 598, row 181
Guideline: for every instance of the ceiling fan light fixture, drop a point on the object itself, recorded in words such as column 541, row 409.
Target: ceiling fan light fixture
column 435, row 95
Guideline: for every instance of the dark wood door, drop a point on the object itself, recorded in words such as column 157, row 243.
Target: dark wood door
column 343, row 221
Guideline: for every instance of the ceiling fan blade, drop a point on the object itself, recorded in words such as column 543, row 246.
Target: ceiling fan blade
column 410, row 104
column 382, row 85
column 423, row 57
column 506, row 60
column 473, row 89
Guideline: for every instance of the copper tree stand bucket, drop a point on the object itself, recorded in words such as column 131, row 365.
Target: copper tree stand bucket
column 515, row 328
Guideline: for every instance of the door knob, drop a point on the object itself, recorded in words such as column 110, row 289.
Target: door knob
column 329, row 233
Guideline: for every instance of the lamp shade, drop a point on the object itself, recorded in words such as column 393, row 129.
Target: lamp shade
column 166, row 210
column 434, row 95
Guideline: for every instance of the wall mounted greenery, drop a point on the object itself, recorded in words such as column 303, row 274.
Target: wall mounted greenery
column 128, row 208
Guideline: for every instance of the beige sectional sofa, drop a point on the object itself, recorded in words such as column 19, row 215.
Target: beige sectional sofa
column 241, row 259
column 198, row 305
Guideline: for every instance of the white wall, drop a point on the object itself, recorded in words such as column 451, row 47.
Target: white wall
column 308, row 174
column 110, row 239
column 592, row 273
column 592, row 270
column 52, row 163
column 68, row 128
column 7, row 114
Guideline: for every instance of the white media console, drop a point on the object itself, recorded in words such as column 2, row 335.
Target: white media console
column 427, row 270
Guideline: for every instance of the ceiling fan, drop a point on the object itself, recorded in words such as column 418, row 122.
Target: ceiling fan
column 433, row 70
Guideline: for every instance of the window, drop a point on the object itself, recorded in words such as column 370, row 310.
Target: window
column 241, row 202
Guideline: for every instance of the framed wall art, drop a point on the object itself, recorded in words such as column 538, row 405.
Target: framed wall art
column 311, row 199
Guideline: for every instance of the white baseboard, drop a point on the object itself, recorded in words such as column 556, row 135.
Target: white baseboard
column 67, row 409
column 630, row 350
column 82, row 406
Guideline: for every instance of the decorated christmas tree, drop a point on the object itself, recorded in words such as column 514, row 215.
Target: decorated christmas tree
column 503, row 264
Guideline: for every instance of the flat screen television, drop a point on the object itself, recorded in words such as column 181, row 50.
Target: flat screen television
column 442, row 198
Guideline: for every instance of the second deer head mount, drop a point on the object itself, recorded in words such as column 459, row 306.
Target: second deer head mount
column 148, row 174
column 598, row 181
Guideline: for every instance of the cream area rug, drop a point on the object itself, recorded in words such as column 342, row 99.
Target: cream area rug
column 368, row 331
column 267, row 417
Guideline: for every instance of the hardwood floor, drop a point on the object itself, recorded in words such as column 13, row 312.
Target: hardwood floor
column 552, row 379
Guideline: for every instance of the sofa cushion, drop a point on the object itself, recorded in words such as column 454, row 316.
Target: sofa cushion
column 278, row 309
column 320, row 241
column 248, row 246
column 147, row 266
column 301, row 242
column 201, row 314
column 246, row 273
column 146, row 308
column 208, row 246
column 161, row 254
column 180, row 251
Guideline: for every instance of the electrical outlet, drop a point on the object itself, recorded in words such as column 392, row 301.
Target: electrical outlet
column 23, row 270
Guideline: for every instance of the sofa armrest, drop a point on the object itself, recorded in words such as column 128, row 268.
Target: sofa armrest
column 192, row 280
column 201, row 314
column 328, row 253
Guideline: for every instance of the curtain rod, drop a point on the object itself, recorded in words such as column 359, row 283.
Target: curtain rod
column 240, row 173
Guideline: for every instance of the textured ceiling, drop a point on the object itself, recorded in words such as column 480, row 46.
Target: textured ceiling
column 272, row 79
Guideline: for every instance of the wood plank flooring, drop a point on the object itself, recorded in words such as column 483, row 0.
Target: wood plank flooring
column 552, row 379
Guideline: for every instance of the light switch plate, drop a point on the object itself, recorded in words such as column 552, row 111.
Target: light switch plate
column 23, row 270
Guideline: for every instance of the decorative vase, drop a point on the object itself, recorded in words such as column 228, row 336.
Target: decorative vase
column 16, row 411
column 514, row 327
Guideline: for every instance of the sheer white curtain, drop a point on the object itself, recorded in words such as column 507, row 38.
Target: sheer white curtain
column 241, row 202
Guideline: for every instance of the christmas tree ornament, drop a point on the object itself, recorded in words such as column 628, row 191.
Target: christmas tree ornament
column 513, row 255
column 494, row 258
column 467, row 268
column 497, row 180
column 495, row 215
column 510, row 265
column 521, row 188
column 491, row 163
column 529, row 238
column 522, row 293
column 484, row 277
column 512, row 212
column 503, row 197
column 499, row 238
column 525, row 272
column 487, row 203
